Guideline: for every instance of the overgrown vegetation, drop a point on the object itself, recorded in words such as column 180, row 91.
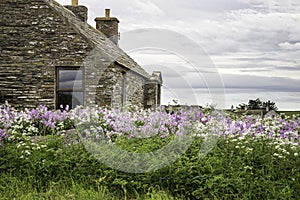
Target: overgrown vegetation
column 241, row 169
column 253, row 158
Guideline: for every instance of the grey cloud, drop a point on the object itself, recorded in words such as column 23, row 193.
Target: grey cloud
column 237, row 81
column 287, row 68
column 258, row 59
column 206, row 5
column 256, row 70
column 267, row 83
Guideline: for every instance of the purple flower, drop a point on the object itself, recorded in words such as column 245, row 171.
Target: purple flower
column 3, row 136
column 33, row 114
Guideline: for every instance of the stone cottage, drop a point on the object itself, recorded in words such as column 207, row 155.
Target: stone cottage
column 51, row 56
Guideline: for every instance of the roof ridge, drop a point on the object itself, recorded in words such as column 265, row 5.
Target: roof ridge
column 98, row 39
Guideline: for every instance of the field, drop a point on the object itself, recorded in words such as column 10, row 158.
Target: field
column 46, row 154
column 290, row 113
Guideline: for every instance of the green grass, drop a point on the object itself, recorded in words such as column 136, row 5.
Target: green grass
column 25, row 190
column 70, row 172
column 290, row 113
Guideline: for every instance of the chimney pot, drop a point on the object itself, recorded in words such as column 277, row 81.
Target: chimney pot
column 107, row 13
column 74, row 2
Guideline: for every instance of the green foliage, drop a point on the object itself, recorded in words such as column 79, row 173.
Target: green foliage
column 236, row 168
column 254, row 104
column 143, row 145
column 254, row 158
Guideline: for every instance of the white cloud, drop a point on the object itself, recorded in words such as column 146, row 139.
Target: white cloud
column 145, row 7
column 290, row 46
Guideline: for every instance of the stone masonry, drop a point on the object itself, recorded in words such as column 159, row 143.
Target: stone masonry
column 39, row 36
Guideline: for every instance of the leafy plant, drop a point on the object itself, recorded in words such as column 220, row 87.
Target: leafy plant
column 253, row 158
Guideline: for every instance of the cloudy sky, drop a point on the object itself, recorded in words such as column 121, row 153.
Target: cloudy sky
column 252, row 45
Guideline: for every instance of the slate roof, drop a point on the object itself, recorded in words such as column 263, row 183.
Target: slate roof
column 98, row 39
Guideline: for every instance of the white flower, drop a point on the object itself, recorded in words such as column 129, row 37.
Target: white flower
column 27, row 152
column 296, row 154
column 241, row 138
column 293, row 147
column 249, row 149
column 247, row 167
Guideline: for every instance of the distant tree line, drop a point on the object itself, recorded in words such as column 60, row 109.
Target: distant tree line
column 257, row 104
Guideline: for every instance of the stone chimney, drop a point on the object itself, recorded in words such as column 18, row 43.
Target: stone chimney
column 109, row 26
column 80, row 11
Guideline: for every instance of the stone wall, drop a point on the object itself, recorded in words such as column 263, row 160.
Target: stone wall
column 117, row 86
column 134, row 89
column 34, row 40
column 152, row 90
column 152, row 94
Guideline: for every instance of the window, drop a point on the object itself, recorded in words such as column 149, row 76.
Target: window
column 69, row 87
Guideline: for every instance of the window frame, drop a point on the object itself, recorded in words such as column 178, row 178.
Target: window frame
column 58, row 90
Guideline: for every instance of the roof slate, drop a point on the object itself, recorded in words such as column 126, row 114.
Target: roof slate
column 98, row 39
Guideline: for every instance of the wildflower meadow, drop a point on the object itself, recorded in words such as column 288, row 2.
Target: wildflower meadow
column 44, row 154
